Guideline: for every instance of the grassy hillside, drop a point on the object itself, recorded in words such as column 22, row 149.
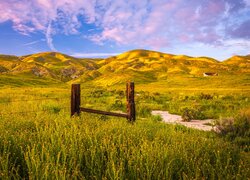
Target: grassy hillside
column 172, row 71
column 49, row 66
column 239, row 63
column 141, row 66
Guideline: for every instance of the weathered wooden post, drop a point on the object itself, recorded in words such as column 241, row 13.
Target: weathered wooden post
column 130, row 101
column 75, row 99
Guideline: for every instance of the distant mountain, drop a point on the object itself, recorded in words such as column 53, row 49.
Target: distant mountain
column 142, row 66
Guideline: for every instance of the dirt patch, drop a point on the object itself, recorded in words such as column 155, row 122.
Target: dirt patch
column 176, row 119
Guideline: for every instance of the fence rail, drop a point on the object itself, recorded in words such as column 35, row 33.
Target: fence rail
column 76, row 103
column 104, row 112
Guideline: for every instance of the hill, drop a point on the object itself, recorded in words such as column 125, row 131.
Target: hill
column 148, row 66
column 141, row 66
column 241, row 63
column 48, row 66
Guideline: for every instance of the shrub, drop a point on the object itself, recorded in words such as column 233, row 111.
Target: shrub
column 225, row 126
column 118, row 105
column 143, row 110
column 236, row 129
column 188, row 114
column 156, row 118
column 205, row 96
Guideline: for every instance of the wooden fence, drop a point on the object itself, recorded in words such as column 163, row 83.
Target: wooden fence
column 76, row 103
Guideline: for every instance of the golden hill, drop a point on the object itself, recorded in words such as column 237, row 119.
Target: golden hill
column 241, row 63
column 148, row 66
column 141, row 66
column 48, row 64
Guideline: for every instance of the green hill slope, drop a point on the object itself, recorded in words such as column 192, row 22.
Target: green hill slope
column 144, row 66
column 49, row 66
column 141, row 66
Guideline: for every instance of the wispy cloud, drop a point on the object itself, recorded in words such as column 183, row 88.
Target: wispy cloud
column 49, row 38
column 33, row 42
column 93, row 55
column 148, row 23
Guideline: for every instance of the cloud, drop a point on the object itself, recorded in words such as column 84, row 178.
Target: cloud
column 247, row 2
column 49, row 38
column 157, row 24
column 47, row 16
column 144, row 23
column 33, row 42
column 242, row 31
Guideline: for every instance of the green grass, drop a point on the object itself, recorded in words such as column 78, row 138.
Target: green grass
column 26, row 81
column 47, row 143
column 54, row 146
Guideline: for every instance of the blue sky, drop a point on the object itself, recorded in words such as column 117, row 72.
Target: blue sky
column 92, row 28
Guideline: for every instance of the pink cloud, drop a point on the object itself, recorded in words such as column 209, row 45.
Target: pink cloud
column 242, row 31
column 153, row 23
column 184, row 38
column 53, row 16
column 157, row 42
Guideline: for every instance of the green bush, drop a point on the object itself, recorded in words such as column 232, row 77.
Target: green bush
column 188, row 114
column 143, row 110
column 156, row 118
column 118, row 105
column 236, row 129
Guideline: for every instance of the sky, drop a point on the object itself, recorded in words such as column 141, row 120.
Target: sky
column 101, row 28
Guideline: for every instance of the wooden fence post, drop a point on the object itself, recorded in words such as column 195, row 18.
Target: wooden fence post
column 130, row 101
column 75, row 99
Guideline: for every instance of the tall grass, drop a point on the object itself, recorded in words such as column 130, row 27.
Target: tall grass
column 48, row 144
column 56, row 147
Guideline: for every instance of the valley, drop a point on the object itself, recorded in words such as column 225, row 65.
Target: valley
column 38, row 139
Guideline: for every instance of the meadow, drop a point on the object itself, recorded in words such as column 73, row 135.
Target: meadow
column 39, row 140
